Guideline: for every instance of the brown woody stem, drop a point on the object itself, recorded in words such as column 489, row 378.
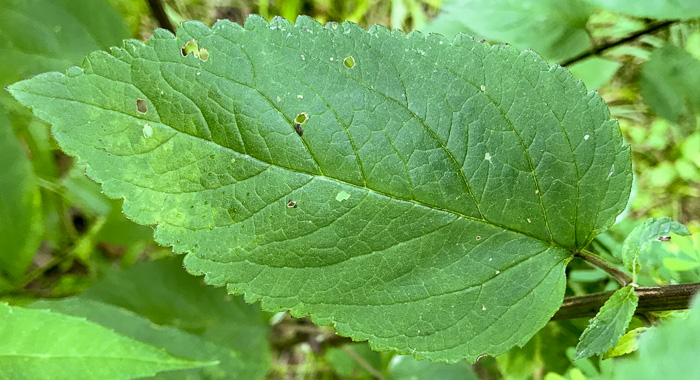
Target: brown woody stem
column 653, row 298
column 601, row 49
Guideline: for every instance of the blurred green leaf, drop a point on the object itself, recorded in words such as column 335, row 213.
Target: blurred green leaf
column 346, row 363
column 162, row 292
column 404, row 367
column 39, row 344
column 176, row 342
column 606, row 328
column 690, row 150
column 669, row 82
column 41, row 35
column 668, row 352
column 639, row 239
column 594, row 72
column 658, row 9
column 519, row 363
column 21, row 223
column 555, row 29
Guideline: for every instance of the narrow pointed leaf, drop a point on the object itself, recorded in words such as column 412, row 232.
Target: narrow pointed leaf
column 658, row 9
column 606, row 328
column 21, row 224
column 425, row 197
column 162, row 292
column 39, row 344
column 643, row 235
column 175, row 341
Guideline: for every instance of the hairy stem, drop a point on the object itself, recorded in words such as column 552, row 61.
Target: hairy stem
column 653, row 298
column 622, row 278
column 601, row 49
column 159, row 14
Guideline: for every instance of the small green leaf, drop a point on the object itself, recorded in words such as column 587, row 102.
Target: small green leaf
column 657, row 9
column 21, row 223
column 669, row 351
column 606, row 328
column 628, row 343
column 491, row 173
column 39, row 344
column 556, row 29
column 639, row 239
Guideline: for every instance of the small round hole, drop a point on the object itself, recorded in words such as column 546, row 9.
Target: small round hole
column 301, row 118
column 204, row 55
column 349, row 62
column 190, row 47
column 141, row 105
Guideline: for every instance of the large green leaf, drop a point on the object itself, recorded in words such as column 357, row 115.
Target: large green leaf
column 659, row 9
column 556, row 29
column 20, row 205
column 161, row 291
column 608, row 326
column 175, row 341
column 39, row 344
column 429, row 202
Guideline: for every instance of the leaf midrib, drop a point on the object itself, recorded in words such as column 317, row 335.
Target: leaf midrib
column 246, row 156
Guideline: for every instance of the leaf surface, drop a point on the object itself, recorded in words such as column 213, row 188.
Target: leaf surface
column 553, row 28
column 606, row 328
column 657, row 9
column 39, row 344
column 429, row 201
column 21, row 223
column 643, row 235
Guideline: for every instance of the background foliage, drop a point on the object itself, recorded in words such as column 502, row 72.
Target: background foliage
column 63, row 238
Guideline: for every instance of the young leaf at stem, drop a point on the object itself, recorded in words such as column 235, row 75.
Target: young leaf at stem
column 606, row 328
column 642, row 236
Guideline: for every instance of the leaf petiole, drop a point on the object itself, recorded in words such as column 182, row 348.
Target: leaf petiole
column 621, row 277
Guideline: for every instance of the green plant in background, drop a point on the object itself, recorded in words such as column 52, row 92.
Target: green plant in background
column 425, row 193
